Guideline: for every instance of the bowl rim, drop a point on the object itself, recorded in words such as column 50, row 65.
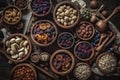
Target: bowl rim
column 68, row 53
column 86, row 39
column 15, row 7
column 83, row 63
column 92, row 54
column 44, row 45
column 74, row 6
column 27, row 65
column 24, row 58
column 24, row 7
column 41, row 15
column 70, row 35
column 97, row 60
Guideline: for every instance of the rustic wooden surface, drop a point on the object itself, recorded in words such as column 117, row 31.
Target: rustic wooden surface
column 5, row 68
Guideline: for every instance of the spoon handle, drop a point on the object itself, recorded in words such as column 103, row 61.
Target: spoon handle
column 117, row 9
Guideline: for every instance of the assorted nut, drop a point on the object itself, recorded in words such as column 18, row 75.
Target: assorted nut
column 65, row 40
column 21, row 3
column 23, row 72
column 44, row 56
column 11, row 15
column 17, row 47
column 44, row 32
column 85, row 31
column 85, row 13
column 107, row 62
column 62, row 62
column 83, row 50
column 82, row 71
column 66, row 15
column 40, row 6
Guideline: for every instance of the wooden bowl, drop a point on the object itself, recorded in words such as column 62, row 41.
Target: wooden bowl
column 24, row 8
column 40, row 44
column 63, row 34
column 101, row 55
column 42, row 15
column 23, row 58
column 82, row 63
column 93, row 30
column 25, row 65
column 91, row 54
column 17, row 21
column 72, row 5
column 71, row 66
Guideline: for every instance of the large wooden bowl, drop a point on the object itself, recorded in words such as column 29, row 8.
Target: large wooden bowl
column 72, row 5
column 86, row 59
column 41, row 15
column 26, row 65
column 97, row 61
column 40, row 44
column 93, row 29
column 58, row 52
column 26, row 56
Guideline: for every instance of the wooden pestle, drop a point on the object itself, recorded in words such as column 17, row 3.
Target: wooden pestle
column 101, row 25
column 102, row 36
column 100, row 47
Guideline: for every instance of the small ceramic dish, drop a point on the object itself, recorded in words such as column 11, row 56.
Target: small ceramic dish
column 62, row 62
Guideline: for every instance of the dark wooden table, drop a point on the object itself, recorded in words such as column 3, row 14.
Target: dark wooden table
column 5, row 68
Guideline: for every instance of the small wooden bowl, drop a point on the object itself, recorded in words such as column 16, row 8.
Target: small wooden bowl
column 24, row 8
column 42, row 15
column 87, row 59
column 68, row 34
column 72, row 5
column 86, row 22
column 26, row 65
column 40, row 44
column 24, row 58
column 9, row 23
column 58, row 52
column 97, row 60
column 82, row 63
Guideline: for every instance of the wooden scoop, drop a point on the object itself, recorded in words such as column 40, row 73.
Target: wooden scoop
column 101, row 25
